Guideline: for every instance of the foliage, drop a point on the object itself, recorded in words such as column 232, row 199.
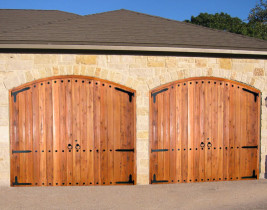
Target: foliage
column 256, row 26
column 259, row 13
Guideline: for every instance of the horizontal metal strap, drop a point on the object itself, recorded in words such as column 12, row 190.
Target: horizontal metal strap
column 156, row 93
column 131, row 181
column 252, row 92
column 250, row 147
column 21, row 151
column 19, row 91
column 159, row 150
column 130, row 94
column 254, row 176
column 17, row 183
column 154, row 180
column 124, row 150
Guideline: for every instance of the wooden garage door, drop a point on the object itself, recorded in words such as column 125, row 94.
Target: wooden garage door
column 72, row 131
column 204, row 129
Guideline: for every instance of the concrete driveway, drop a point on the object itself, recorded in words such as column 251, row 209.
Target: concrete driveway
column 213, row 195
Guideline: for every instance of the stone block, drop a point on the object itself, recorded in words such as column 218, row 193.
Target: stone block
column 76, row 70
column 86, row 59
column 201, row 62
column 171, row 62
column 258, row 72
column 225, row 63
column 28, row 76
column 4, row 131
column 14, row 64
column 3, row 115
column 144, row 163
column 142, row 134
column 11, row 80
column 46, row 59
column 142, row 179
column 243, row 67
column 156, row 62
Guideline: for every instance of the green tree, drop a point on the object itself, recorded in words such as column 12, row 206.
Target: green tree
column 221, row 21
column 224, row 21
column 259, row 13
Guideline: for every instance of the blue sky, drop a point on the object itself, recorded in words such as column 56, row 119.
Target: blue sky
column 173, row 9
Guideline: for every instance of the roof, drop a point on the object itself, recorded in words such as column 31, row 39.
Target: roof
column 115, row 28
column 15, row 19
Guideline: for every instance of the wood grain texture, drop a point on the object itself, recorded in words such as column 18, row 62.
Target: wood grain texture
column 72, row 126
column 214, row 119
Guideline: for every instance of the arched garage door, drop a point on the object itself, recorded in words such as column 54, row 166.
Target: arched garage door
column 72, row 131
column 204, row 129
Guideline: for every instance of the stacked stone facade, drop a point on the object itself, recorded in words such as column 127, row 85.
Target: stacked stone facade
column 141, row 73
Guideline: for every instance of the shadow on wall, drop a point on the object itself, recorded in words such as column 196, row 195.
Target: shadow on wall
column 265, row 174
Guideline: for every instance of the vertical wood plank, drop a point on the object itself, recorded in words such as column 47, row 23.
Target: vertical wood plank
column 36, row 134
column 97, row 170
column 208, row 130
column 232, row 132
column 197, row 135
column 103, row 134
column 154, row 136
column 166, row 134
column 226, row 130
column 214, row 131
column 191, row 104
column 56, row 129
column 83, row 132
column 22, row 135
column 184, row 132
column 63, row 141
column 203, row 133
column 173, row 149
column 117, row 129
column 110, row 133
column 49, row 132
column 220, row 133
column 29, row 136
column 42, row 125
column 69, row 131
column 90, row 132
column 76, row 130
column 178, row 133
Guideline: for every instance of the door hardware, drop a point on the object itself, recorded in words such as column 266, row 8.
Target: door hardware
column 131, row 181
column 250, row 147
column 17, row 183
column 154, row 180
column 209, row 144
column 21, row 151
column 159, row 150
column 252, row 92
column 156, row 93
column 70, row 146
column 130, row 94
column 19, row 91
column 202, row 144
column 77, row 147
column 124, row 150
column 254, row 176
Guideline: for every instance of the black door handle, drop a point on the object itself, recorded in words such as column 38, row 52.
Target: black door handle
column 202, row 144
column 77, row 146
column 209, row 144
column 70, row 146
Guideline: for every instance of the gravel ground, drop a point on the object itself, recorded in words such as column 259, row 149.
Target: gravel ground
column 213, row 195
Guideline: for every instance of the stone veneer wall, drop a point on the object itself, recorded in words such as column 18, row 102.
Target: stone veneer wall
column 141, row 73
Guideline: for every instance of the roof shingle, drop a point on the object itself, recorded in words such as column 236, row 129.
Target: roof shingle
column 121, row 28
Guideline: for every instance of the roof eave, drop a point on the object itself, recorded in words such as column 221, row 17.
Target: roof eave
column 131, row 48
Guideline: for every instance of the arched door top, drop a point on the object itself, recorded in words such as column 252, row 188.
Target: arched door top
column 72, row 76
column 214, row 79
